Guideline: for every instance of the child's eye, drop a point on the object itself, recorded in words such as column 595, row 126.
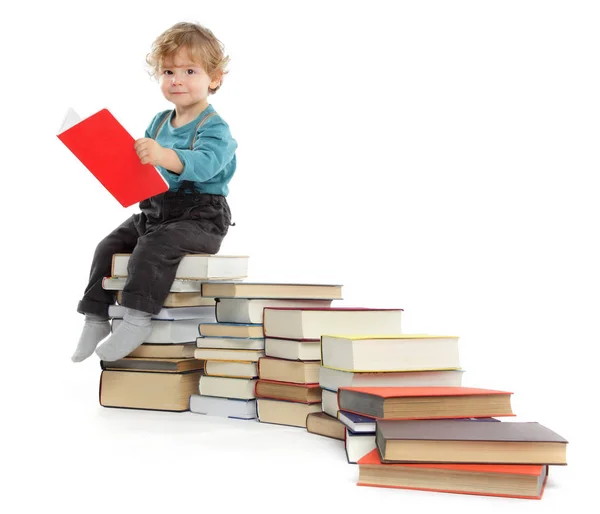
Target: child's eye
column 167, row 72
column 190, row 72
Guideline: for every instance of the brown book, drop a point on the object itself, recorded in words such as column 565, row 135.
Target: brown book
column 425, row 402
column 153, row 391
column 159, row 365
column 304, row 393
column 164, row 351
column 325, row 425
column 299, row 372
column 180, row 300
column 468, row 442
column 230, row 330
column 282, row 412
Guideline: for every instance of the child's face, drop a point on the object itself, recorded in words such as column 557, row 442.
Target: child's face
column 184, row 82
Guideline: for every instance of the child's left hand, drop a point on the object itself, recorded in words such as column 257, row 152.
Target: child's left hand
column 149, row 151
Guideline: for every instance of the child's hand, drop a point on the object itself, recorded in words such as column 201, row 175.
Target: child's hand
column 149, row 151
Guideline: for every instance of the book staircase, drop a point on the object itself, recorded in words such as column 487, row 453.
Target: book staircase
column 285, row 354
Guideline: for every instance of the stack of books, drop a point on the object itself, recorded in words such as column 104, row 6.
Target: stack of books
column 290, row 393
column 163, row 373
column 234, row 345
column 388, row 360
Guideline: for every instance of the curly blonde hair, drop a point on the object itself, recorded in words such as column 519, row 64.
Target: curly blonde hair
column 202, row 45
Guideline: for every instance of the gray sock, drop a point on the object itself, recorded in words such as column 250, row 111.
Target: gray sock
column 95, row 329
column 131, row 333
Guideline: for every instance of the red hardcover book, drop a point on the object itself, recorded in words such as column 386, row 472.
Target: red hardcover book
column 513, row 481
column 425, row 402
column 106, row 149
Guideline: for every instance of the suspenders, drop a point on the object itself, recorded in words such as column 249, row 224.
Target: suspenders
column 200, row 123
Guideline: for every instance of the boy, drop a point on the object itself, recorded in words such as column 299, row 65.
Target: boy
column 195, row 152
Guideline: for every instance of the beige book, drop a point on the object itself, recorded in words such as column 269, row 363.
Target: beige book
column 164, row 351
column 285, row 413
column 299, row 372
column 325, row 425
column 156, row 391
column 266, row 290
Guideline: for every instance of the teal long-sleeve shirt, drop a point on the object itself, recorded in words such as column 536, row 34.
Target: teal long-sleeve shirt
column 211, row 163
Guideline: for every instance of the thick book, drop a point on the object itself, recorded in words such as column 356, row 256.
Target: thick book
column 237, row 330
column 164, row 351
column 520, row 481
column 425, row 402
column 292, row 349
column 206, row 312
column 219, row 354
column 400, row 352
column 163, row 365
column 179, row 285
column 149, row 391
column 223, row 407
column 312, row 323
column 329, row 402
column 333, row 379
column 323, row 424
column 231, row 343
column 225, row 387
column 298, row 372
column 194, row 266
column 231, row 369
column 455, row 441
column 107, row 150
column 169, row 332
column 272, row 290
column 277, row 390
column 357, row 445
column 280, row 412
column 250, row 310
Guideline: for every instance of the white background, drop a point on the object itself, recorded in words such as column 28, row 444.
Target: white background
column 440, row 157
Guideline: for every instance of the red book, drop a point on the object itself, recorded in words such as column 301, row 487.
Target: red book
column 106, row 149
column 424, row 402
column 516, row 481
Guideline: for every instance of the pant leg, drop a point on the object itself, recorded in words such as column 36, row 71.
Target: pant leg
column 121, row 240
column 154, row 260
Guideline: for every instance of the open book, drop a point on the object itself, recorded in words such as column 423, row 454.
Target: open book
column 106, row 149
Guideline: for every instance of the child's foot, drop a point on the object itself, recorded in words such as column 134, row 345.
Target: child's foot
column 95, row 329
column 130, row 334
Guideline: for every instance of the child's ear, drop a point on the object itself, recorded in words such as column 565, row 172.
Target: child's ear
column 216, row 79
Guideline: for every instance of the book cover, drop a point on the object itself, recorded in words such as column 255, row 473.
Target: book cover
column 107, row 150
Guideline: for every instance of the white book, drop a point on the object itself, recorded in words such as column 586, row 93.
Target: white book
column 311, row 323
column 292, row 350
column 329, row 402
column 231, row 343
column 358, row 445
column 225, row 387
column 219, row 354
column 247, row 310
column 333, row 379
column 169, row 332
column 204, row 312
column 223, row 407
column 402, row 352
column 195, row 266
column 178, row 286
column 231, row 369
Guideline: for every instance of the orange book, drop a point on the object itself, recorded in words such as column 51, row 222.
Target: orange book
column 106, row 149
column 425, row 402
column 514, row 481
